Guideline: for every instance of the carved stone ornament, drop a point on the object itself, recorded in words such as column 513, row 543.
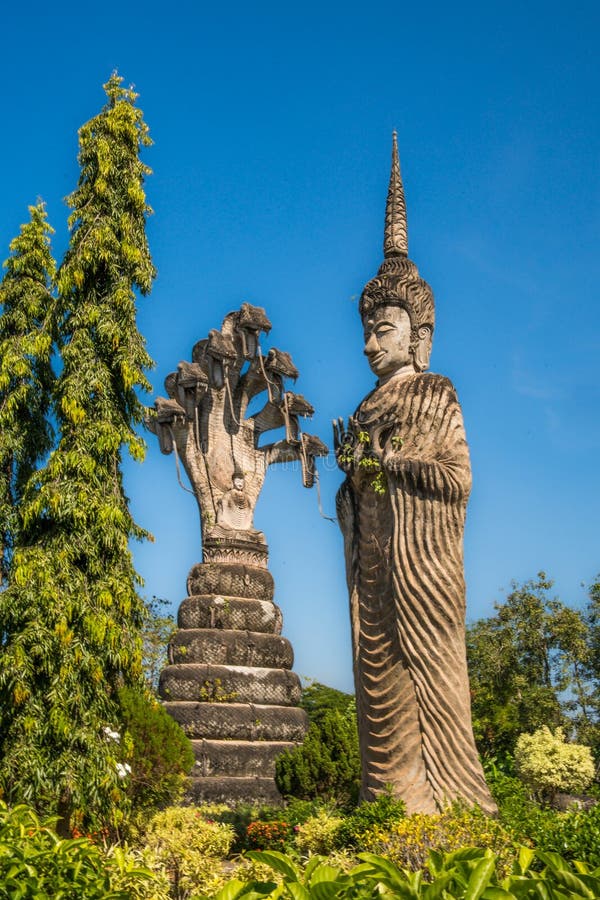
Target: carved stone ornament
column 229, row 682
column 402, row 513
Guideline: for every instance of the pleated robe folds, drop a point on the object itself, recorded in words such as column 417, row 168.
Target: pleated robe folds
column 404, row 562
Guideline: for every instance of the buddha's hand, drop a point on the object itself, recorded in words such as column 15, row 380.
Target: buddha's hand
column 344, row 444
column 398, row 456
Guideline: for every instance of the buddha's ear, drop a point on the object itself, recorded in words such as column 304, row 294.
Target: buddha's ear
column 423, row 348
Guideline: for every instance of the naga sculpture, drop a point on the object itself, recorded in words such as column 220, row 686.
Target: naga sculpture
column 229, row 683
column 402, row 513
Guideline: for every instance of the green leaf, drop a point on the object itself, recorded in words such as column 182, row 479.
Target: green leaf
column 326, row 890
column 497, row 893
column 276, row 860
column 437, row 888
column 582, row 868
column 298, row 891
column 553, row 860
column 435, row 862
column 465, row 854
column 233, row 889
column 574, row 884
column 524, row 860
column 323, row 872
column 480, row 878
column 383, row 867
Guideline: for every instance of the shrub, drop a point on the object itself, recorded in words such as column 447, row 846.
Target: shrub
column 190, row 847
column 319, row 834
column 268, row 835
column 548, row 764
column 35, row 863
column 162, row 755
column 408, row 842
column 327, row 764
column 131, row 878
column 575, row 835
column 525, row 821
column 383, row 811
column 241, row 815
column 467, row 873
column 251, row 871
column 298, row 811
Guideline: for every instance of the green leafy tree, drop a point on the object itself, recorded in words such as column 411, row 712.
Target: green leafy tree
column 327, row 763
column 71, row 616
column 27, row 332
column 529, row 666
column 157, row 631
column 592, row 618
column 573, row 668
column 318, row 699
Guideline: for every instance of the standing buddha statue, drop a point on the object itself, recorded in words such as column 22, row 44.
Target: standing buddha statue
column 402, row 512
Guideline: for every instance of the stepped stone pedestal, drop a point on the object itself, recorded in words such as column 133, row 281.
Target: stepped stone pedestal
column 229, row 683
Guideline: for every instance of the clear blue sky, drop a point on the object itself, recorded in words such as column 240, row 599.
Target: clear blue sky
column 272, row 127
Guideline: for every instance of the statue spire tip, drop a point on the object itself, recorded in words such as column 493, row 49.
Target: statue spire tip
column 395, row 242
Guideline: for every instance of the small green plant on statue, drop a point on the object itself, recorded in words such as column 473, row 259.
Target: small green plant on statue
column 212, row 692
column 368, row 461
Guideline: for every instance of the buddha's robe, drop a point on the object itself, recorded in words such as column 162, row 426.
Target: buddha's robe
column 404, row 561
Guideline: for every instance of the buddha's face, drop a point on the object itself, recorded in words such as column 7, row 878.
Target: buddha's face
column 387, row 341
column 238, row 482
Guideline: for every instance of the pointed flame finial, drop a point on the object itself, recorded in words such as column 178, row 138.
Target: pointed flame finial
column 395, row 241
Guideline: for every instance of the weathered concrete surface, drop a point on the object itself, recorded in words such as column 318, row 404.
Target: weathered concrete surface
column 231, row 647
column 238, row 758
column 230, row 684
column 216, row 611
column 231, row 580
column 232, row 790
column 239, row 721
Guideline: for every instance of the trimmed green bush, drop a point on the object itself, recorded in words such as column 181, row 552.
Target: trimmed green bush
column 575, row 835
column 327, row 765
column 161, row 756
column 190, row 847
column 548, row 764
column 319, row 834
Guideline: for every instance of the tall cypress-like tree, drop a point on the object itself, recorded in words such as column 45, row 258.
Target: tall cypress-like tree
column 27, row 332
column 71, row 615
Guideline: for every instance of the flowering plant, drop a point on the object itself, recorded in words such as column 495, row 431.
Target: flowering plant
column 268, row 835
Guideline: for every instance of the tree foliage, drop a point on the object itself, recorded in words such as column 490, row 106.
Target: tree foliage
column 593, row 644
column 70, row 617
column 157, row 631
column 27, row 333
column 531, row 664
column 327, row 764
column 161, row 755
